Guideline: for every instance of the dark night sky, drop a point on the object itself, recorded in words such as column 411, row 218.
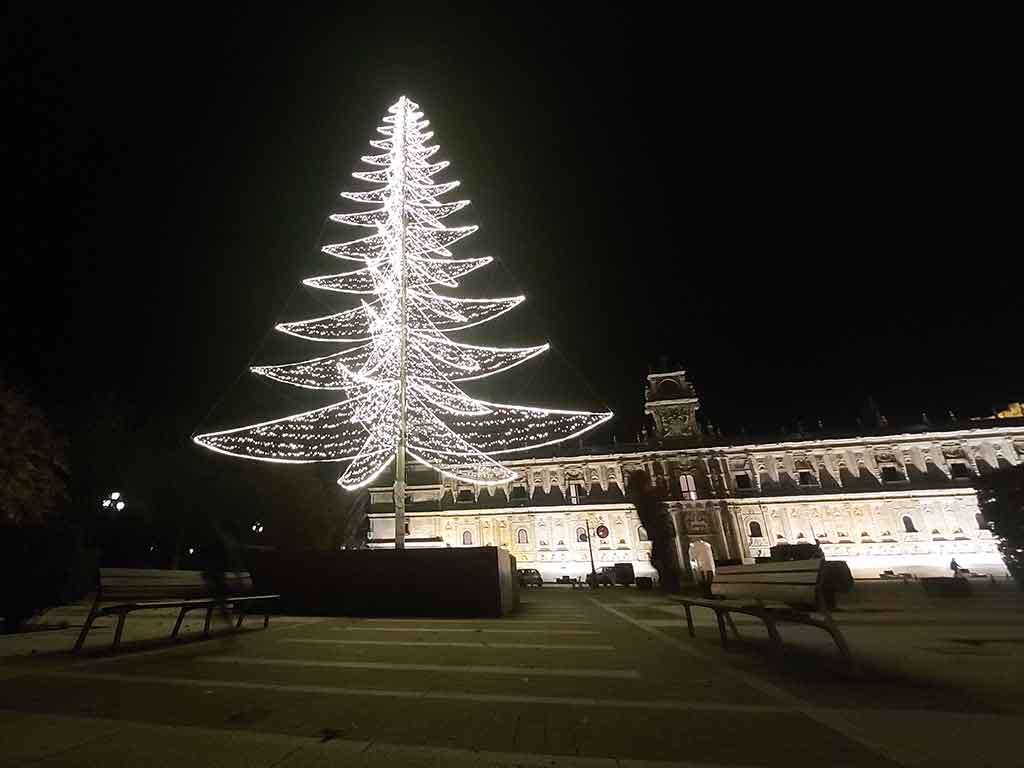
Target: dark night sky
column 797, row 224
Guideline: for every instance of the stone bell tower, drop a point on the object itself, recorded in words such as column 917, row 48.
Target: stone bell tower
column 673, row 403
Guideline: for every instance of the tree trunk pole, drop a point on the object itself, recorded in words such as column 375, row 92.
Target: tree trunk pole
column 400, row 451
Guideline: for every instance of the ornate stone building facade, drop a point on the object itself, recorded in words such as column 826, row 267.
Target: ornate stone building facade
column 901, row 501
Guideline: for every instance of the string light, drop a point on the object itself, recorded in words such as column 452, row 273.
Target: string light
column 399, row 368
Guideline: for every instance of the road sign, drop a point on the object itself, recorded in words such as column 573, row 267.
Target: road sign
column 602, row 531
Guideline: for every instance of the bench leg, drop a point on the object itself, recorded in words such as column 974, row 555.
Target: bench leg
column 721, row 629
column 830, row 626
column 689, row 619
column 209, row 616
column 177, row 624
column 85, row 631
column 120, row 628
column 773, row 633
column 732, row 626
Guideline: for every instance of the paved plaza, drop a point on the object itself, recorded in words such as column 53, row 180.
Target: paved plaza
column 575, row 678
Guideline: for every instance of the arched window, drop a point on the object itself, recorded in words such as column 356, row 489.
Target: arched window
column 908, row 524
column 581, row 534
column 980, row 518
column 522, row 537
column 467, row 537
column 755, row 530
column 669, row 389
column 641, row 534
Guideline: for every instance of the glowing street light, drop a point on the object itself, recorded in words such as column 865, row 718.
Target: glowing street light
column 114, row 501
column 257, row 527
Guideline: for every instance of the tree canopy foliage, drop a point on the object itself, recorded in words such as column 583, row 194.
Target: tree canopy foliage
column 33, row 469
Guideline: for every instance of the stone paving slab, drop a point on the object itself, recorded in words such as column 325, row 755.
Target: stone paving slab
column 700, row 736
column 206, row 746
column 670, row 698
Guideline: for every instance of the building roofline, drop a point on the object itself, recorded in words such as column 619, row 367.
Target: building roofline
column 623, row 506
column 720, row 449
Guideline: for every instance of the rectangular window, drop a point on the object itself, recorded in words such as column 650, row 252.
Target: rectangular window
column 958, row 470
column 574, row 493
column 807, row 477
column 891, row 474
column 687, row 486
column 743, row 481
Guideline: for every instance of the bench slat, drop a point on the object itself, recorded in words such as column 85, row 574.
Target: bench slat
column 795, row 566
column 780, row 592
column 802, row 577
column 129, row 585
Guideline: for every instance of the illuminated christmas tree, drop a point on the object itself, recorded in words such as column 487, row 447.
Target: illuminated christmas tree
column 399, row 368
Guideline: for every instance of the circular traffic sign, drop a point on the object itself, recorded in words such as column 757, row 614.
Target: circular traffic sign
column 602, row 531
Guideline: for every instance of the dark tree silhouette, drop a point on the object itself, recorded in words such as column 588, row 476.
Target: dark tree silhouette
column 33, row 469
column 1001, row 497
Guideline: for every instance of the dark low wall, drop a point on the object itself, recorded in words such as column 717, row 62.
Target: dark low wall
column 41, row 567
column 466, row 582
column 946, row 586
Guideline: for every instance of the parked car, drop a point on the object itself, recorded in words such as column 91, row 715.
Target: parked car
column 530, row 577
column 624, row 574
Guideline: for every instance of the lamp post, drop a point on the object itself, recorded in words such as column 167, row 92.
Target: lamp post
column 593, row 570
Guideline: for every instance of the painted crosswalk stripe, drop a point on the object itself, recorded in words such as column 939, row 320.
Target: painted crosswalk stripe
column 458, row 644
column 456, row 622
column 471, row 629
column 479, row 669
column 206, row 683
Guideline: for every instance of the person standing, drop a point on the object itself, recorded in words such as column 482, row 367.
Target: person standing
column 659, row 531
column 223, row 563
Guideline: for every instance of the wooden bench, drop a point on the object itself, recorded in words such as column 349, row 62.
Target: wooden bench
column 792, row 591
column 123, row 590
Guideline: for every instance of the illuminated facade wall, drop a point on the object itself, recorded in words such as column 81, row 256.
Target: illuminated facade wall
column 903, row 502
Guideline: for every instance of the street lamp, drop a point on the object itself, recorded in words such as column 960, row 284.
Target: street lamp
column 257, row 527
column 590, row 548
column 114, row 501
column 593, row 570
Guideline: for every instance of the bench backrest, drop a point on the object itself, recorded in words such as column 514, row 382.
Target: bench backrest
column 797, row 582
column 145, row 584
